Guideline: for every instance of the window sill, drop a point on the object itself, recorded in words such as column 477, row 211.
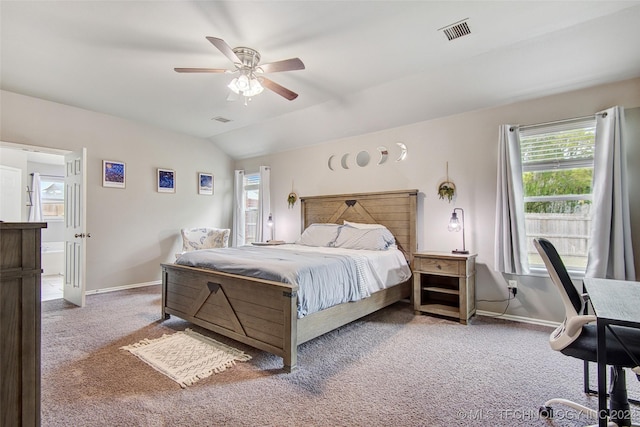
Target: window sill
column 542, row 272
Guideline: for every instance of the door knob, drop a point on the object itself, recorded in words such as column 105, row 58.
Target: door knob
column 81, row 235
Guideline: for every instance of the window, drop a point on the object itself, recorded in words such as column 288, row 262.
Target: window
column 557, row 175
column 251, row 203
column 251, row 206
column 52, row 197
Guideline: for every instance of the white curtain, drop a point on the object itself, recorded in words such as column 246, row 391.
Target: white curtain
column 238, row 238
column 610, row 251
column 35, row 211
column 264, row 205
column 510, row 233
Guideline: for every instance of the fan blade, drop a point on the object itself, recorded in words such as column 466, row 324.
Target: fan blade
column 280, row 90
column 285, row 65
column 225, row 49
column 201, row 70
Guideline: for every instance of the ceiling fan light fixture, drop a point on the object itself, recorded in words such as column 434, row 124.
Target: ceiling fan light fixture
column 255, row 88
column 246, row 86
column 234, row 86
column 246, row 62
column 243, row 83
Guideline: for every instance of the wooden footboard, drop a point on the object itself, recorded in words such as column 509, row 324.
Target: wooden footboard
column 256, row 312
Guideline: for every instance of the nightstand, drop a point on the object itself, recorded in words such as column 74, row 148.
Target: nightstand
column 445, row 284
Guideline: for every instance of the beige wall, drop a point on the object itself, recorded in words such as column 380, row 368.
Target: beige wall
column 133, row 229
column 136, row 229
column 469, row 143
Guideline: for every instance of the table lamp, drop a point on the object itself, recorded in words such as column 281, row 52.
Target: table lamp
column 456, row 225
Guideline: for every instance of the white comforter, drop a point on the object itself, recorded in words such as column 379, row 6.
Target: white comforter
column 325, row 276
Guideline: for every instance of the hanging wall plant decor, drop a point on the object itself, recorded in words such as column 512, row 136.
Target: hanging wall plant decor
column 291, row 199
column 447, row 189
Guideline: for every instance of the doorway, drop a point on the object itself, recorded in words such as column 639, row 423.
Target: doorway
column 51, row 168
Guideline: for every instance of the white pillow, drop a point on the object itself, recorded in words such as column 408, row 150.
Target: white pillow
column 375, row 239
column 319, row 235
column 361, row 225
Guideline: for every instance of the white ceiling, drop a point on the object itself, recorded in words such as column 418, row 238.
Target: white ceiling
column 370, row 65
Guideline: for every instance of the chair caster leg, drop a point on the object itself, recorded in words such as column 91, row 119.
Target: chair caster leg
column 546, row 412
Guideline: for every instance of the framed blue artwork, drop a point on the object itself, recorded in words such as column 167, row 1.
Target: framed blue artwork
column 166, row 181
column 205, row 183
column 113, row 174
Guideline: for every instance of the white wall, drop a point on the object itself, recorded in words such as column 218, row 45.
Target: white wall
column 133, row 229
column 469, row 143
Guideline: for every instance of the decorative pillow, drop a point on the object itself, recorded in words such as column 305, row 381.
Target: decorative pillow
column 361, row 225
column 204, row 238
column 319, row 235
column 375, row 239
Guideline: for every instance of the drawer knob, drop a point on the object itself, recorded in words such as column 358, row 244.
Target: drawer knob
column 439, row 266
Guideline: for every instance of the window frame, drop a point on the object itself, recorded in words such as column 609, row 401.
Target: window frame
column 45, row 182
column 250, row 183
column 586, row 124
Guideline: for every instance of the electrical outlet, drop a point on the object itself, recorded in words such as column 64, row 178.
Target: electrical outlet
column 513, row 287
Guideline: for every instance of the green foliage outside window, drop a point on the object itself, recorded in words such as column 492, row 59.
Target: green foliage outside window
column 556, row 175
column 557, row 183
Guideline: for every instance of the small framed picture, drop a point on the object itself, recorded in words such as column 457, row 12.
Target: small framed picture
column 113, row 174
column 205, row 183
column 166, row 181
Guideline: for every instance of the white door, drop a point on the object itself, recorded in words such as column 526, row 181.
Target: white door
column 75, row 227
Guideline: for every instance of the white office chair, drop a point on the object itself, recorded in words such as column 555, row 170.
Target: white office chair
column 204, row 238
column 576, row 337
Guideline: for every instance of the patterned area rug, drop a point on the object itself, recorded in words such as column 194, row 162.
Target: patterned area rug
column 186, row 357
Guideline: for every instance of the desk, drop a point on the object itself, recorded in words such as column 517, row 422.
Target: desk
column 614, row 302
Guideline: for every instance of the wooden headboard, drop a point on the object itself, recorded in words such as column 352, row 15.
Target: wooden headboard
column 396, row 210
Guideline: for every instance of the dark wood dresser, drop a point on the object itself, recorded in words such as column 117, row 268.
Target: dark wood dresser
column 20, row 273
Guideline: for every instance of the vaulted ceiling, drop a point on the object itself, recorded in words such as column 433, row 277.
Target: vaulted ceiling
column 370, row 65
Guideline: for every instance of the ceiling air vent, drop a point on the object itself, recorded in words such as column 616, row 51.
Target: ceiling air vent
column 456, row 30
column 221, row 119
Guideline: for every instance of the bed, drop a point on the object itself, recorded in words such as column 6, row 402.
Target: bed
column 264, row 313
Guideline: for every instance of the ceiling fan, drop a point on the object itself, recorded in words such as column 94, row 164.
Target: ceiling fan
column 251, row 81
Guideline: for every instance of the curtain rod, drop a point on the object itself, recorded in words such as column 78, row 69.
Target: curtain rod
column 49, row 176
column 555, row 122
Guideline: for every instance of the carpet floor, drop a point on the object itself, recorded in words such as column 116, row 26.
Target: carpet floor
column 391, row 368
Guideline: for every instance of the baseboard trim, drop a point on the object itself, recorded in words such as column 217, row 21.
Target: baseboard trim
column 510, row 317
column 121, row 288
column 521, row 319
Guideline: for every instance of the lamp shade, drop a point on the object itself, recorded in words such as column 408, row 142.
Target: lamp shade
column 248, row 86
column 457, row 224
column 454, row 223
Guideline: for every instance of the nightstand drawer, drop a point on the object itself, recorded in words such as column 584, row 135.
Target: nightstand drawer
column 439, row 266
